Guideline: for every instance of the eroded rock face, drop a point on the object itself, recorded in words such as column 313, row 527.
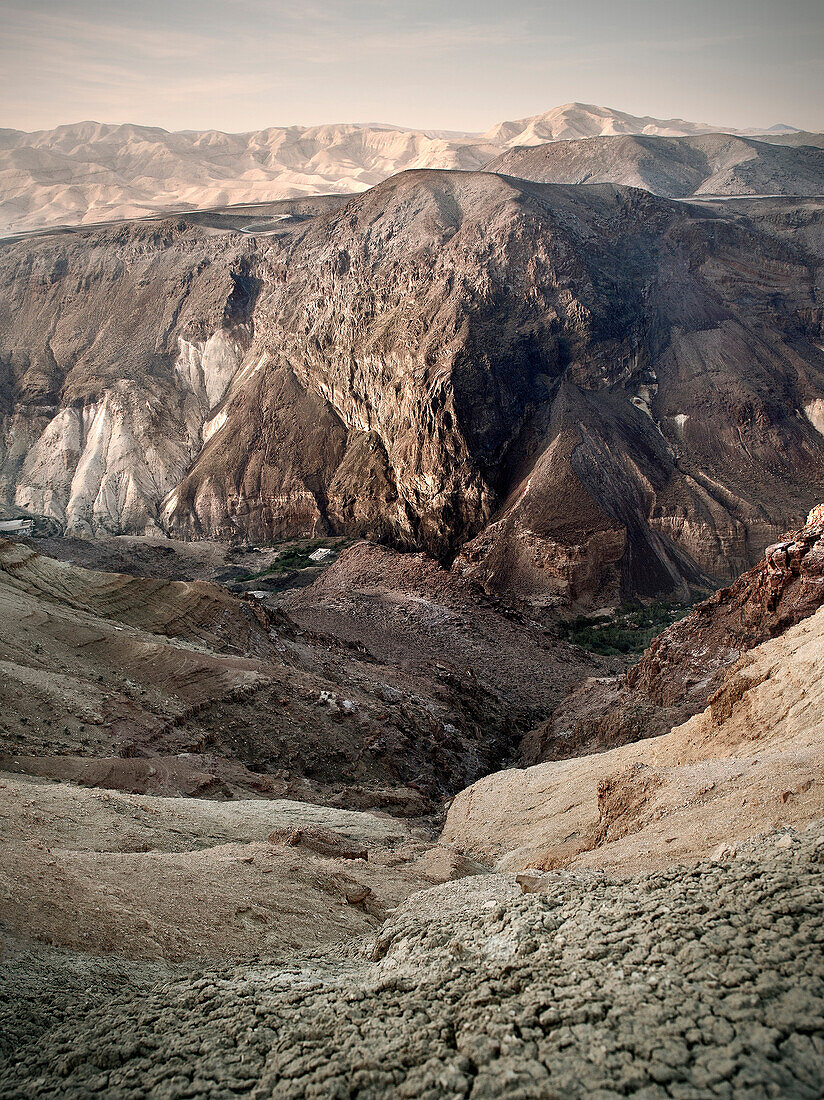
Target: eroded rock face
column 684, row 668
column 582, row 392
column 748, row 760
column 115, row 351
column 687, row 661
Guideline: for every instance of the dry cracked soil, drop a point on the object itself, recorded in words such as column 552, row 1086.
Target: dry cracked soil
column 690, row 982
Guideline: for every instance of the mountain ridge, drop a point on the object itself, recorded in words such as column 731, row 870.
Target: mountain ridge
column 583, row 392
column 89, row 171
column 675, row 167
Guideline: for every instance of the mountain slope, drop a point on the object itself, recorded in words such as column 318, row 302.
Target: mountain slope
column 608, row 392
column 714, row 164
column 179, row 687
column 749, row 761
column 89, row 171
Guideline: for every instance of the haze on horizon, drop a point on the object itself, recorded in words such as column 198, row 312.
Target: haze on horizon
column 235, row 66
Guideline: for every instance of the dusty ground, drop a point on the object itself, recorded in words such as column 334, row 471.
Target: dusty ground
column 177, row 878
column 239, row 566
column 691, row 983
column 434, row 621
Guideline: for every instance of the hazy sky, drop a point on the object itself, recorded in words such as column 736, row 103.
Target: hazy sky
column 456, row 64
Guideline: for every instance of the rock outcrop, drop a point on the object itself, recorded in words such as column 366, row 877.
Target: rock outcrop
column 583, row 392
column 684, row 667
column 749, row 761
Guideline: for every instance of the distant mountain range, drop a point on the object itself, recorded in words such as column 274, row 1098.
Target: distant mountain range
column 89, row 172
column 707, row 164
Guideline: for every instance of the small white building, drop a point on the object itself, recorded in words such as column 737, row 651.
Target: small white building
column 22, row 526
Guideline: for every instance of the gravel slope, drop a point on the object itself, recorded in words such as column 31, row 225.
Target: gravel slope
column 690, row 983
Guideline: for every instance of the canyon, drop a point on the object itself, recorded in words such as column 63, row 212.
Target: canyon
column 412, row 611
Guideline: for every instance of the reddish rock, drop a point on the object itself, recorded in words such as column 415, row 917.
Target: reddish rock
column 684, row 667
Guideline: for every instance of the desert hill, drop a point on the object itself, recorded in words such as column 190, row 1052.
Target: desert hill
column 150, row 685
column 572, row 121
column 678, row 167
column 584, row 391
column 684, row 667
column 90, row 171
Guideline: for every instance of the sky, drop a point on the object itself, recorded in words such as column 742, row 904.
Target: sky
column 241, row 65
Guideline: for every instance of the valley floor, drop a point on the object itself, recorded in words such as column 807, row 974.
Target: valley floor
column 690, row 983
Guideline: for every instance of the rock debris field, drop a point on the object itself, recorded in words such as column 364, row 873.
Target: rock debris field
column 690, row 982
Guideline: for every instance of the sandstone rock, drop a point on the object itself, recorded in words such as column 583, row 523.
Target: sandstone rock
column 723, row 852
column 709, row 781
column 323, row 842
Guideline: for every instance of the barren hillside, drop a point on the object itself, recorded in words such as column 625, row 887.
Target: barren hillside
column 586, row 392
column 678, row 167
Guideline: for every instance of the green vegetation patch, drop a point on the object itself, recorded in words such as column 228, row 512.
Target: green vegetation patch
column 628, row 630
column 296, row 555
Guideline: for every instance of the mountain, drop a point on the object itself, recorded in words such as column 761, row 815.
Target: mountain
column 710, row 164
column 90, row 171
column 575, row 393
column 585, row 120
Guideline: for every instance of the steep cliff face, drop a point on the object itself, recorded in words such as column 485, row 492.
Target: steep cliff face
column 583, row 392
column 116, row 346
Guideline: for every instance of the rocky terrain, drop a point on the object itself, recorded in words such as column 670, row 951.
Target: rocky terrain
column 696, row 983
column 91, row 172
column 749, row 761
column 678, row 167
column 684, row 668
column 218, row 878
column 179, row 687
column 582, row 392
